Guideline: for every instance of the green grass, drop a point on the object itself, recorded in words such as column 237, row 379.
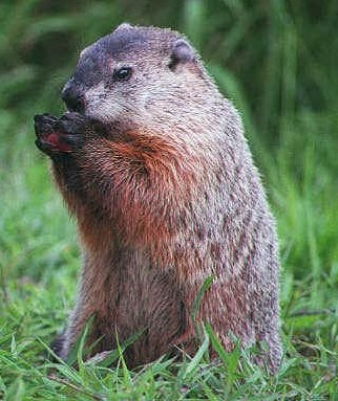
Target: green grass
column 278, row 63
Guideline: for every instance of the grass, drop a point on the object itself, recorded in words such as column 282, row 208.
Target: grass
column 276, row 67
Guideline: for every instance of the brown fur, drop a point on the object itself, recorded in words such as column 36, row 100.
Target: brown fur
column 165, row 195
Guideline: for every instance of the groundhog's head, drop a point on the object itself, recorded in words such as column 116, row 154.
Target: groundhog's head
column 136, row 73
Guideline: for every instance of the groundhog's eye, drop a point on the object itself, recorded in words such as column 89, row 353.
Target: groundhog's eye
column 123, row 73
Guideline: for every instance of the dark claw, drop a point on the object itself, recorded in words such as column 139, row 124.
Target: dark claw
column 56, row 346
column 40, row 145
column 44, row 116
column 44, row 123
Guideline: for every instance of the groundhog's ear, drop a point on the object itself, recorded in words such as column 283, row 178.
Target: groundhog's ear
column 181, row 53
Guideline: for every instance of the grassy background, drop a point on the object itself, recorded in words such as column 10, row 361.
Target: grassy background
column 277, row 60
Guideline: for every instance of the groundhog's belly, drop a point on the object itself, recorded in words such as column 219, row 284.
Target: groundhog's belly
column 148, row 310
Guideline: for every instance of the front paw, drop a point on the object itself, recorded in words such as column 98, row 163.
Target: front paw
column 59, row 135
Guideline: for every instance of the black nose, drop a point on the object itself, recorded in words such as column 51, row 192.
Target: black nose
column 73, row 98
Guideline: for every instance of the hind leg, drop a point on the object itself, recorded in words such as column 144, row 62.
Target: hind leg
column 57, row 345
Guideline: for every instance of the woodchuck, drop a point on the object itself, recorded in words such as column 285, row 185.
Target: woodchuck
column 152, row 161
